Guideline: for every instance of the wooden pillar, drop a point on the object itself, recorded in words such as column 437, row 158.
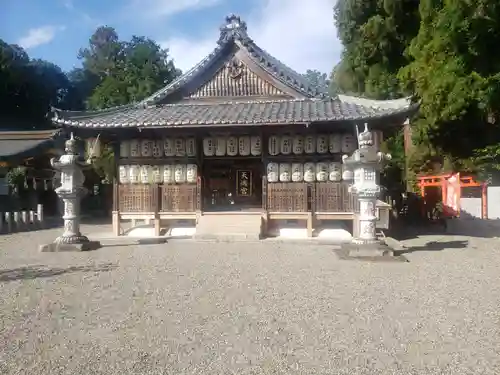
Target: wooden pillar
column 115, row 216
column 156, row 206
column 408, row 147
column 201, row 178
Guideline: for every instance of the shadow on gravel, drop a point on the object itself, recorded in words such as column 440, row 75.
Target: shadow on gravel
column 35, row 272
column 434, row 246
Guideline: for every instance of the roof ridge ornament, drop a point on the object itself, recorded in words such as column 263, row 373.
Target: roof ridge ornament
column 233, row 28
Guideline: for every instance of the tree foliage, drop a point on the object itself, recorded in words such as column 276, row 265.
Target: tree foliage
column 125, row 71
column 375, row 34
column 442, row 52
column 318, row 80
column 28, row 87
column 455, row 72
column 113, row 72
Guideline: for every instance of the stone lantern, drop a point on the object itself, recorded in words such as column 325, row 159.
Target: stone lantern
column 366, row 163
column 71, row 191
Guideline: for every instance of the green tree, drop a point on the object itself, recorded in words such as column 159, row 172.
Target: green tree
column 455, row 73
column 28, row 87
column 117, row 72
column 318, row 80
column 375, row 34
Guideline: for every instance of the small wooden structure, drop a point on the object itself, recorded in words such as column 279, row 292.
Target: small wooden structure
column 239, row 132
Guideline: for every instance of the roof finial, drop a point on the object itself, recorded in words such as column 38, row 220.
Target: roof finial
column 233, row 28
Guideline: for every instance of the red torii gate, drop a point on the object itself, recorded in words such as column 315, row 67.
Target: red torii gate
column 451, row 191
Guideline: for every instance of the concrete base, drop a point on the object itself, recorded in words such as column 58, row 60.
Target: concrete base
column 375, row 251
column 61, row 247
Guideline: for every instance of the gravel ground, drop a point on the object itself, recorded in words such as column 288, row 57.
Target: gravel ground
column 248, row 308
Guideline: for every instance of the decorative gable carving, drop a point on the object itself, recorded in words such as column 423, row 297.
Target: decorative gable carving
column 236, row 79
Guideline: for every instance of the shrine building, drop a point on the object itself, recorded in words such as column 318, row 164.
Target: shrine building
column 239, row 143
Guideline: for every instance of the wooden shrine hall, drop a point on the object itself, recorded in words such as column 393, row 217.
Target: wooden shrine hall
column 240, row 141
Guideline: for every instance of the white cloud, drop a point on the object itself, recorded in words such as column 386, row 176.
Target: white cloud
column 300, row 34
column 39, row 36
column 162, row 8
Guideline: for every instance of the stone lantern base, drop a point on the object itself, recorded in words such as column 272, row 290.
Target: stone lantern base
column 56, row 247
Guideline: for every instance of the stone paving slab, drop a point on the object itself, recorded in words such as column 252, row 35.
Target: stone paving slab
column 247, row 308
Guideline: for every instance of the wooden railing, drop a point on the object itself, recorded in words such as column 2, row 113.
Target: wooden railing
column 287, row 197
column 321, row 197
column 333, row 197
column 178, row 198
column 156, row 198
column 318, row 197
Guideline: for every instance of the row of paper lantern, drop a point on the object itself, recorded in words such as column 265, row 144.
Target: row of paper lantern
column 232, row 146
column 308, row 172
column 168, row 174
column 243, row 145
column 311, row 144
column 158, row 148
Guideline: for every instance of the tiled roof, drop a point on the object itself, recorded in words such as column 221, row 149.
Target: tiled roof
column 235, row 31
column 227, row 113
column 25, row 143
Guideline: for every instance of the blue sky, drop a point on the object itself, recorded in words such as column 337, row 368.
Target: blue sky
column 302, row 37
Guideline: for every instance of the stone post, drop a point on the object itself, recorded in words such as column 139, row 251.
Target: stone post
column 71, row 192
column 365, row 162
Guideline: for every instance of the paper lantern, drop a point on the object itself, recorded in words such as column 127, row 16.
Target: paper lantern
column 286, row 145
column 273, row 146
column 349, row 143
column 144, row 174
column 208, row 146
column 191, row 173
column 124, row 149
column 133, row 174
column 180, row 147
column 158, row 148
column 93, row 147
column 123, row 174
column 335, row 143
column 156, row 174
column 146, row 148
column 322, row 144
column 244, row 145
column 298, row 145
column 335, row 171
column 309, row 144
column 168, row 174
column 232, row 146
column 347, row 174
column 180, row 173
column 255, row 145
column 220, row 146
column 285, row 172
column 309, row 172
column 135, row 148
column 191, row 147
column 168, row 147
column 297, row 172
column 272, row 172
column 322, row 172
